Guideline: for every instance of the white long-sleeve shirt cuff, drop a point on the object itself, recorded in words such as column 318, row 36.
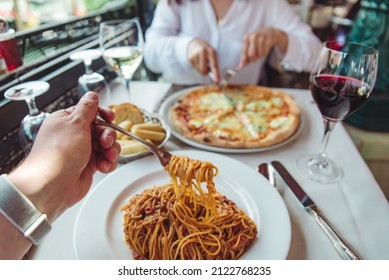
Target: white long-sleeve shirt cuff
column 291, row 53
column 181, row 48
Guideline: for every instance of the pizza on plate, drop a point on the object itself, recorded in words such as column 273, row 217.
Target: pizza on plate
column 242, row 116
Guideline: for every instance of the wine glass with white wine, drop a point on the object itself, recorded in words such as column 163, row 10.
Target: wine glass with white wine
column 122, row 43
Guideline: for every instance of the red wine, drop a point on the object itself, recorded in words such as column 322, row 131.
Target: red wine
column 338, row 96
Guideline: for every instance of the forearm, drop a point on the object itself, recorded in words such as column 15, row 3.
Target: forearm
column 302, row 44
column 165, row 49
column 13, row 245
column 167, row 54
column 301, row 52
column 19, row 211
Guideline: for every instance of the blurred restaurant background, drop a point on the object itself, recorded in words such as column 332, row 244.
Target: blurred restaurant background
column 46, row 31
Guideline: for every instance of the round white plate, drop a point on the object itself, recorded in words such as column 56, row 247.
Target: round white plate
column 169, row 102
column 98, row 232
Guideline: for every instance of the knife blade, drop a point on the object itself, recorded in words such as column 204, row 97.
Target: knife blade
column 342, row 247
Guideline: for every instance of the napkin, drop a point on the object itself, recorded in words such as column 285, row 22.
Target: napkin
column 144, row 94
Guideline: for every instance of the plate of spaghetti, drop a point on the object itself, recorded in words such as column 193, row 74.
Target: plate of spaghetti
column 198, row 208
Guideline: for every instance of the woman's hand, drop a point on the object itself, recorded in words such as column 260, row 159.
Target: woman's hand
column 203, row 58
column 259, row 44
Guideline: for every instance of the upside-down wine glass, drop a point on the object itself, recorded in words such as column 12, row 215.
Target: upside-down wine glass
column 340, row 83
column 32, row 122
column 122, row 44
column 91, row 81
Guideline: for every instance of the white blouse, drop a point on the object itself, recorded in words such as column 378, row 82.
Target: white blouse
column 174, row 26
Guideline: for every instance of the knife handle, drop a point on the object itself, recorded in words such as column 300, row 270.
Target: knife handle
column 340, row 245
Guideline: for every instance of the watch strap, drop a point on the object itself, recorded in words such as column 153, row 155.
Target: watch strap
column 21, row 212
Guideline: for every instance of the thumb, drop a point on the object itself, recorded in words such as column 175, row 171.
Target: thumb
column 87, row 107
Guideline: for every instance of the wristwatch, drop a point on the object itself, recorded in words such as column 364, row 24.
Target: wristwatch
column 20, row 211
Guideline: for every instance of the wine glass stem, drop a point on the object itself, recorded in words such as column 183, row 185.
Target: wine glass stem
column 328, row 127
column 33, row 110
column 127, row 84
column 88, row 69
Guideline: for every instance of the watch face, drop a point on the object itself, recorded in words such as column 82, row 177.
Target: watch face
column 28, row 220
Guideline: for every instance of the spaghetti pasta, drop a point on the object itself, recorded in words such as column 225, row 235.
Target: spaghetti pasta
column 181, row 220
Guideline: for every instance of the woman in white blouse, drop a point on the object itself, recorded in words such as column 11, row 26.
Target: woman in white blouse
column 189, row 38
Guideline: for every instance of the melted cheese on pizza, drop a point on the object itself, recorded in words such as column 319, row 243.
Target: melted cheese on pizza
column 214, row 101
column 228, row 126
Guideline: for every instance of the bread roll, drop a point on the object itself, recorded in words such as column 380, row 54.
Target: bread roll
column 131, row 147
column 127, row 111
column 131, row 118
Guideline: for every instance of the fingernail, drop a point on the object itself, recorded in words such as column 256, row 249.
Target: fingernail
column 107, row 167
column 110, row 140
column 91, row 96
column 116, row 154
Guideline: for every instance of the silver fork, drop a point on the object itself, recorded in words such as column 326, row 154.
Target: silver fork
column 163, row 156
column 231, row 72
column 224, row 81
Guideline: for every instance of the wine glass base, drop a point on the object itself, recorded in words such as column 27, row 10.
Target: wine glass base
column 29, row 128
column 95, row 82
column 319, row 169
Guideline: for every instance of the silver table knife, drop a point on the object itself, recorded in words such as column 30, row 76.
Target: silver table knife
column 344, row 249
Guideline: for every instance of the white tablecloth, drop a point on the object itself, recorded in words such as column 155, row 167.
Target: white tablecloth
column 355, row 206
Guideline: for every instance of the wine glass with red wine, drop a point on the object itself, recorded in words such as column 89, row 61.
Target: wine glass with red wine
column 341, row 82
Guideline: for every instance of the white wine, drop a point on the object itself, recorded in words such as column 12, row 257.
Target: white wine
column 124, row 60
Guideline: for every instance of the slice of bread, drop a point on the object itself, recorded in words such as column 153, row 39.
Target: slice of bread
column 127, row 111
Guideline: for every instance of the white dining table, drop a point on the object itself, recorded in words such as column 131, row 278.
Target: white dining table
column 355, row 206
